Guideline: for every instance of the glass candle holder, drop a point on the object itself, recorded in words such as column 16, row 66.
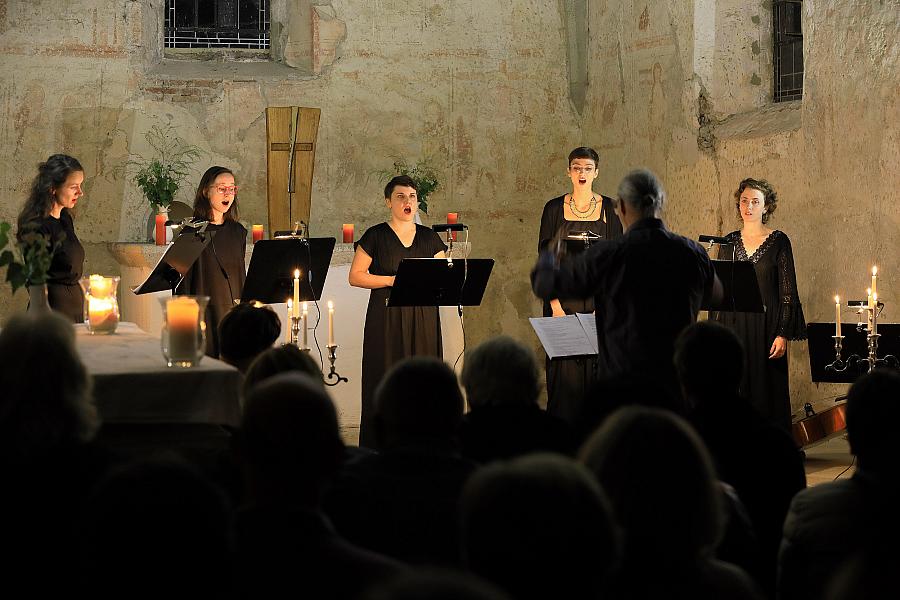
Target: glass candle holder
column 183, row 338
column 101, row 308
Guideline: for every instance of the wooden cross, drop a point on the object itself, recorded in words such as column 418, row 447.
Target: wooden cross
column 290, row 158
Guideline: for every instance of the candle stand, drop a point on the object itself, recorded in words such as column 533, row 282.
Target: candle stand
column 332, row 373
column 855, row 361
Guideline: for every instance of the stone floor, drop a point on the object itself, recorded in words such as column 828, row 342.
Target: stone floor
column 829, row 460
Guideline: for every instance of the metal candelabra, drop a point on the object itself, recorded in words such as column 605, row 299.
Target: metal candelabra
column 332, row 373
column 854, row 360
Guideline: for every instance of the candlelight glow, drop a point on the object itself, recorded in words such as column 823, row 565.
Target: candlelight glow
column 837, row 299
column 330, row 305
column 874, row 270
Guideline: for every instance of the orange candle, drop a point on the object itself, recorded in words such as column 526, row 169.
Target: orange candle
column 160, row 230
column 348, row 233
column 183, row 320
column 453, row 218
column 257, row 232
column 102, row 315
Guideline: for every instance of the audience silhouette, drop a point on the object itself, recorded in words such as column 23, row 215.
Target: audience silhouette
column 245, row 331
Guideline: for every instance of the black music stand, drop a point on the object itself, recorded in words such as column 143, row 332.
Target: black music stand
column 270, row 277
column 821, row 349
column 176, row 261
column 740, row 289
column 438, row 282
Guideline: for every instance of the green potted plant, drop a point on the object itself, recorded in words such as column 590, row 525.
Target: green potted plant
column 421, row 172
column 160, row 175
column 27, row 263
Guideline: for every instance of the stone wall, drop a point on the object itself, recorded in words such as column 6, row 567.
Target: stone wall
column 495, row 94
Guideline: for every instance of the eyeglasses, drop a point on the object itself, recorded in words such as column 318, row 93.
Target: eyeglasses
column 225, row 189
column 585, row 170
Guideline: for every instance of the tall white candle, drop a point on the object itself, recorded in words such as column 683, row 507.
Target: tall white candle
column 305, row 326
column 874, row 313
column 330, row 323
column 296, row 312
column 837, row 316
column 874, row 281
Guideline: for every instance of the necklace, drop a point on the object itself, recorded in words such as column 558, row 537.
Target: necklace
column 580, row 214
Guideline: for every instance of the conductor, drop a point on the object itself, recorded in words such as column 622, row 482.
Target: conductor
column 647, row 285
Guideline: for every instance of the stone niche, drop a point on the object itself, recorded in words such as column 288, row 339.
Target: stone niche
column 310, row 36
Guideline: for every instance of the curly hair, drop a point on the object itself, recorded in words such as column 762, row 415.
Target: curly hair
column 52, row 174
column 770, row 198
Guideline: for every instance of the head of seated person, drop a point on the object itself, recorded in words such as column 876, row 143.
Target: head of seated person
column 431, row 583
column 500, row 372
column 871, row 408
column 159, row 522
column 640, row 451
column 418, row 403
column 290, row 440
column 513, row 512
column 283, row 359
column 47, row 400
column 709, row 359
column 245, row 331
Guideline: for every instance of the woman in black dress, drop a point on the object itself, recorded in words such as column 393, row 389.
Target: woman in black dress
column 54, row 192
column 576, row 213
column 219, row 272
column 765, row 335
column 392, row 334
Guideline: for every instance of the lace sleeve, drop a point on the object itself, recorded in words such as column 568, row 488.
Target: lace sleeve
column 791, row 324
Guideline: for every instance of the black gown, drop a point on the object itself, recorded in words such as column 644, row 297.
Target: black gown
column 224, row 253
column 392, row 334
column 765, row 381
column 63, row 292
column 569, row 379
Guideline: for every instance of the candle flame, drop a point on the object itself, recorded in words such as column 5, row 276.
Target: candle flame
column 296, row 273
column 868, row 291
column 874, row 271
column 330, row 305
column 875, row 298
column 837, row 299
column 304, row 307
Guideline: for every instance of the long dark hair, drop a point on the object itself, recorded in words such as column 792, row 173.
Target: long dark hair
column 51, row 174
column 202, row 207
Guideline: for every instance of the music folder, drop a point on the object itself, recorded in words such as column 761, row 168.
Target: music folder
column 270, row 277
column 567, row 337
column 439, row 282
column 175, row 262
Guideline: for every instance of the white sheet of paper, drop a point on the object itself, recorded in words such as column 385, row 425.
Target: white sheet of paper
column 589, row 322
column 563, row 336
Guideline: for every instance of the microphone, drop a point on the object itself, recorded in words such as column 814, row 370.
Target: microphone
column 714, row 239
column 441, row 227
column 187, row 223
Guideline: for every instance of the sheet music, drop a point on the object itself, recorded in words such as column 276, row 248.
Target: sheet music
column 566, row 336
column 589, row 322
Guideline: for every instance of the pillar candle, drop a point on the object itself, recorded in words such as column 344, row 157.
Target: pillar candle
column 453, row 218
column 102, row 315
column 257, row 233
column 305, row 326
column 837, row 316
column 290, row 311
column 330, row 323
column 874, row 281
column 160, row 233
column 348, row 233
column 183, row 319
column 296, row 312
column 100, row 286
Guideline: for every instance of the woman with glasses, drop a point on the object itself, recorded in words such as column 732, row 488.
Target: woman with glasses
column 765, row 335
column 576, row 219
column 54, row 193
column 393, row 333
column 219, row 272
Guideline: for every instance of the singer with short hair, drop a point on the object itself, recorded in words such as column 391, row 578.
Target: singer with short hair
column 580, row 212
column 393, row 333
column 765, row 335
column 219, row 271
column 55, row 191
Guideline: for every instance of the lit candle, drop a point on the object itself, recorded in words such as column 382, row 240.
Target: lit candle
column 330, row 323
column 869, row 297
column 257, row 233
column 348, row 233
column 453, row 218
column 869, row 312
column 874, row 313
column 100, row 286
column 160, row 232
column 102, row 315
column 305, row 326
column 837, row 316
column 296, row 312
column 183, row 319
column 290, row 311
column 874, row 281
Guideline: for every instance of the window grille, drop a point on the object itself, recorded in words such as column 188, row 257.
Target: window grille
column 217, row 24
column 788, row 55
